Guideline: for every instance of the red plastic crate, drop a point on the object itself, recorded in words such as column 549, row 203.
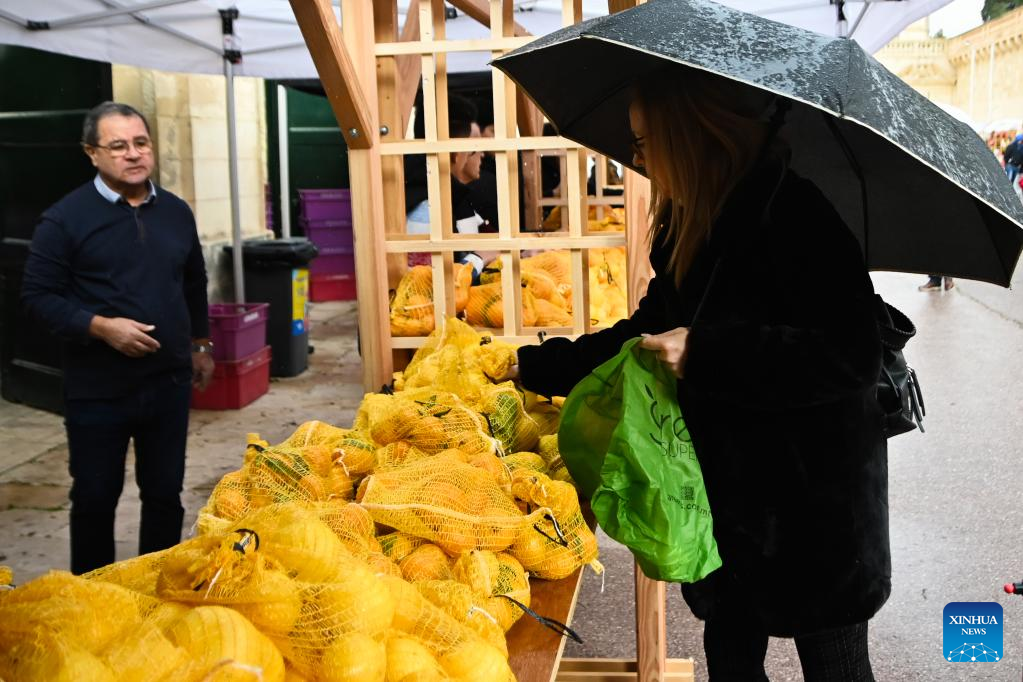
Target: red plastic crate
column 337, row 260
column 235, row 383
column 325, row 204
column 237, row 329
column 332, row 288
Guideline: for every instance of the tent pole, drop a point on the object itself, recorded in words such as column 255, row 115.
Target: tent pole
column 231, row 57
column 284, row 158
column 232, row 162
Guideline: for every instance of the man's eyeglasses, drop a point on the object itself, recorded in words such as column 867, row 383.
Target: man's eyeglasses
column 143, row 145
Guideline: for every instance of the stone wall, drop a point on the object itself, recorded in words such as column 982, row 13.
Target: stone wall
column 979, row 71
column 188, row 114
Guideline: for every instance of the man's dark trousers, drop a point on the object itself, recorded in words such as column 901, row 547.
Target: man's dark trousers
column 98, row 431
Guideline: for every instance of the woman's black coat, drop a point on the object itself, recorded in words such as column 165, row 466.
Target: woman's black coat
column 779, row 398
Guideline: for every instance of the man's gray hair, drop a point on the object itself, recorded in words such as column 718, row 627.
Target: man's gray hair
column 90, row 128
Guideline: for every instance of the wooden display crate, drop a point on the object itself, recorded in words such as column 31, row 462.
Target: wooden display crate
column 370, row 69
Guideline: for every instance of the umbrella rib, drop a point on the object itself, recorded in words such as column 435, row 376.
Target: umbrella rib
column 858, row 170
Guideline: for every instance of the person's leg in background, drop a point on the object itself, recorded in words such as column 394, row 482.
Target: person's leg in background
column 838, row 655
column 933, row 283
column 160, row 462
column 97, row 432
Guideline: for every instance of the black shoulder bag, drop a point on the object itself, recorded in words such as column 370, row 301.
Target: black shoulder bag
column 898, row 389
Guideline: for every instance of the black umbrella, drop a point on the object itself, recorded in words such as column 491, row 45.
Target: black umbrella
column 920, row 189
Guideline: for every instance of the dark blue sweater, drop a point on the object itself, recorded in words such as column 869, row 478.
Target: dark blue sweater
column 93, row 257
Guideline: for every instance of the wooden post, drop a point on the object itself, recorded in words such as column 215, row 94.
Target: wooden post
column 409, row 65
column 637, row 226
column 389, row 87
column 365, row 173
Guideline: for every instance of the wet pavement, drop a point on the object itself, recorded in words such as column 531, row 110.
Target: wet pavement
column 955, row 494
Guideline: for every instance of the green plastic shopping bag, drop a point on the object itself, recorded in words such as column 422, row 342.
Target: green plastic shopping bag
column 627, row 447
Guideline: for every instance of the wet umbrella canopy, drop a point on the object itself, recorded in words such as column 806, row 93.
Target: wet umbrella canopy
column 920, row 189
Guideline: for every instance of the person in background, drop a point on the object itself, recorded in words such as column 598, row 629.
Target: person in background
column 1013, row 157
column 116, row 269
column 937, row 283
column 777, row 383
column 465, row 168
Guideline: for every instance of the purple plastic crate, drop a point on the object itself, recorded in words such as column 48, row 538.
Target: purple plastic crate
column 337, row 260
column 325, row 204
column 329, row 233
column 237, row 329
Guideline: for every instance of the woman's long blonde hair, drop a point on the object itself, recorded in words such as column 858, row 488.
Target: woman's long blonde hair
column 702, row 135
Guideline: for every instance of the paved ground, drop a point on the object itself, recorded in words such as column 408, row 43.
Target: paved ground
column 955, row 492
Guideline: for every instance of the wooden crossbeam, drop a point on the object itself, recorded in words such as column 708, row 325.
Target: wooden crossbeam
column 480, row 11
column 337, row 74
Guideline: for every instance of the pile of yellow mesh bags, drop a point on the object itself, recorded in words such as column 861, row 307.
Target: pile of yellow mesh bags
column 546, row 280
column 397, row 550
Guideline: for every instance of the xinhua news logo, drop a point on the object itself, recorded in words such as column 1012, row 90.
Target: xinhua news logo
column 973, row 632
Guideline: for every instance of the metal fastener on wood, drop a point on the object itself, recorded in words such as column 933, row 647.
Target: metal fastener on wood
column 354, row 132
column 384, row 130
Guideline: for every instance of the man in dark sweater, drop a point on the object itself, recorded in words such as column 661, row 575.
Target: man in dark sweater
column 116, row 270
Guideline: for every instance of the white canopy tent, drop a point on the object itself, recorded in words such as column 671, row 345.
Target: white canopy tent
column 261, row 38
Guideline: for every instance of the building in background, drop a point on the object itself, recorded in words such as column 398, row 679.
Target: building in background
column 978, row 72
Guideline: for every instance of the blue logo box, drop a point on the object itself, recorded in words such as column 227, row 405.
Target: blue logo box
column 972, row 632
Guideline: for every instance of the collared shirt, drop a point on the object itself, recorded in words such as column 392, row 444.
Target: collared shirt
column 113, row 197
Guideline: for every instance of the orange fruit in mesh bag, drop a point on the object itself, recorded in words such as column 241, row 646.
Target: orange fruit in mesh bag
column 349, row 522
column 356, row 454
column 513, row 582
column 315, row 432
column 434, row 503
column 550, row 315
column 397, row 545
column 525, row 460
column 358, row 602
column 166, row 613
column 407, row 656
column 298, row 540
column 144, row 654
column 354, row 657
column 273, row 602
column 46, row 657
column 381, row 565
column 472, row 661
column 463, row 281
column 477, row 569
column 495, row 466
column 544, row 412
column 505, row 413
column 458, row 601
column 230, row 496
column 396, row 454
column 427, row 562
column 496, row 359
column 484, row 307
column 213, row 634
column 339, row 485
column 56, row 601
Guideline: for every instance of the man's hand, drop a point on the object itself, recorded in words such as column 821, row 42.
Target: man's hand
column 124, row 335
column 202, row 370
column 671, row 348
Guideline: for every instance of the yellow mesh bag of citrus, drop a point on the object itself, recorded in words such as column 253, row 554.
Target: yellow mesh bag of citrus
column 458, row 506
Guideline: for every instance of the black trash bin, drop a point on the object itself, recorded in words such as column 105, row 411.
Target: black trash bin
column 277, row 272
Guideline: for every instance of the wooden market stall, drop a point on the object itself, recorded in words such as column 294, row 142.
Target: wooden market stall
column 371, row 69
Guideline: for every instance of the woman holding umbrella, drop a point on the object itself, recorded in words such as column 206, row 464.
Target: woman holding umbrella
column 763, row 308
